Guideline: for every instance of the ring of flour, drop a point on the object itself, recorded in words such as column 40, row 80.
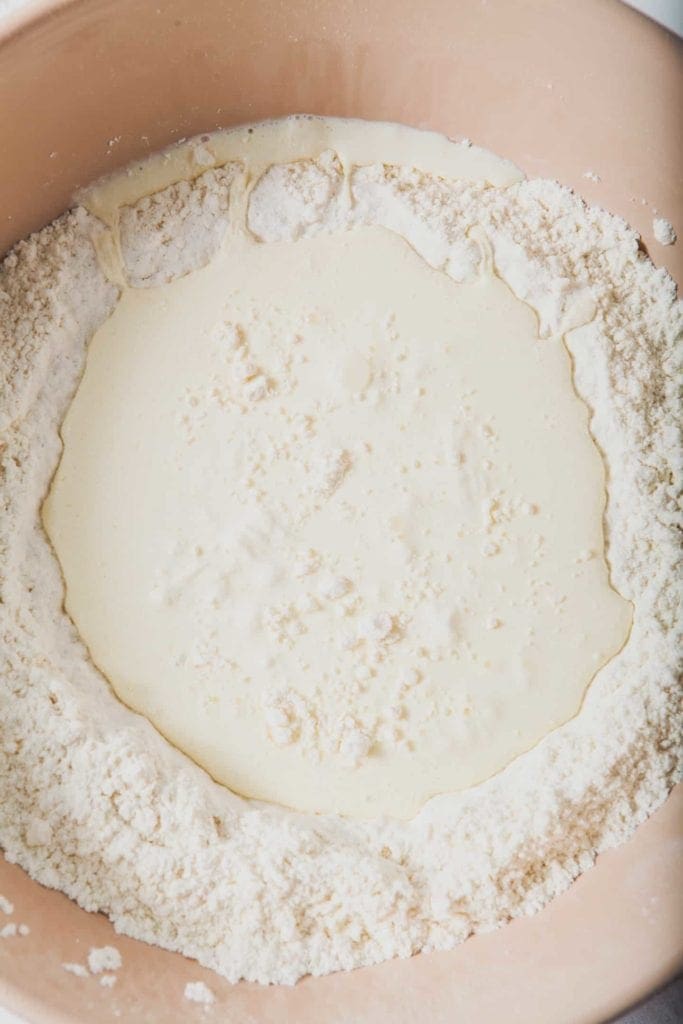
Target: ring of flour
column 94, row 802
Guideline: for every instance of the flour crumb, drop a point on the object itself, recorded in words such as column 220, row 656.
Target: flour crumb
column 24, row 929
column 198, row 992
column 107, row 980
column 354, row 744
column 104, row 958
column 592, row 176
column 329, row 472
column 663, row 231
column 8, row 931
column 76, row 969
column 6, row 906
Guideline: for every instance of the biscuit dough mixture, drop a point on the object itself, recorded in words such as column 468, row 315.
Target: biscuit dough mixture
column 367, row 501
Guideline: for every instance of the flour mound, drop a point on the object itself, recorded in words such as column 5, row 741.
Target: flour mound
column 290, row 201
column 95, row 803
column 176, row 230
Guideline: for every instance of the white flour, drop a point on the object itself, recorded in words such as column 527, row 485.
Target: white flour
column 198, row 992
column 100, row 959
column 663, row 230
column 78, row 970
column 104, row 958
column 12, row 929
column 94, row 802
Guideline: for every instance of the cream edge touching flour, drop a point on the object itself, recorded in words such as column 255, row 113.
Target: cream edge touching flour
column 94, row 801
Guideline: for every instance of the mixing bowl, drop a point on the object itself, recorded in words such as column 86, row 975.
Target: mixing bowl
column 562, row 88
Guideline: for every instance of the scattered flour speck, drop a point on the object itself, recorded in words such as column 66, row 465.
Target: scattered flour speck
column 198, row 992
column 104, row 958
column 78, row 970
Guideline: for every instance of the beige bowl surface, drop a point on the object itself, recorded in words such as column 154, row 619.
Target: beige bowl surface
column 561, row 87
